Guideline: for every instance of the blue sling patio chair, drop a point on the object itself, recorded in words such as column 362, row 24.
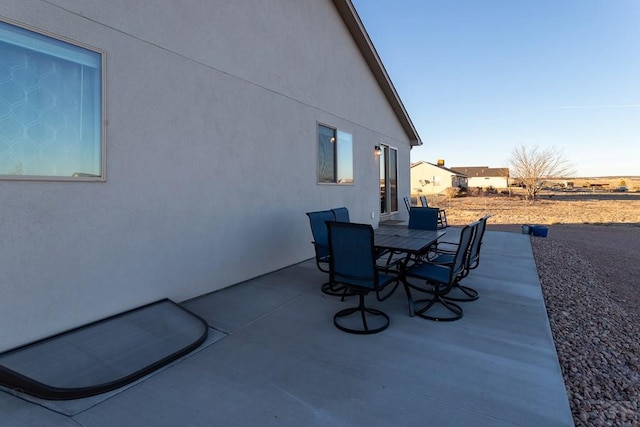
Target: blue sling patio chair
column 353, row 265
column 341, row 214
column 407, row 203
column 474, row 252
column 438, row 280
column 423, row 218
column 460, row 292
column 318, row 221
column 442, row 214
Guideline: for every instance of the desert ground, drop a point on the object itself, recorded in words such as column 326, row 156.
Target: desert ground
column 549, row 209
column 588, row 267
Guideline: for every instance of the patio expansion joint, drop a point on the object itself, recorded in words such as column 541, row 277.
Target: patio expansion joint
column 280, row 307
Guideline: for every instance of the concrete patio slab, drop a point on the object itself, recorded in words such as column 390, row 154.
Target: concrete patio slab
column 284, row 363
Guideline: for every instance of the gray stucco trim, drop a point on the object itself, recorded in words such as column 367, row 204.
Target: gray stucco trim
column 360, row 36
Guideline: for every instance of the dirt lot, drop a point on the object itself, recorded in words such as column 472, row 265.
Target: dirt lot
column 569, row 208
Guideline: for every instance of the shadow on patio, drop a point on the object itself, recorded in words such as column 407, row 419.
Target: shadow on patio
column 282, row 362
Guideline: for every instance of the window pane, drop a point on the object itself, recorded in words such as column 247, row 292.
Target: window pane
column 393, row 179
column 388, row 179
column 326, row 154
column 50, row 106
column 383, row 181
column 345, row 158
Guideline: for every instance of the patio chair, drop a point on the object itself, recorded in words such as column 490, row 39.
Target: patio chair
column 450, row 247
column 439, row 280
column 423, row 218
column 341, row 214
column 353, row 265
column 407, row 203
column 460, row 292
column 318, row 220
column 442, row 214
column 473, row 260
column 474, row 252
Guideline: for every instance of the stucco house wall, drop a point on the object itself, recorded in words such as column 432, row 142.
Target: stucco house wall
column 484, row 176
column 211, row 115
column 488, row 181
column 427, row 178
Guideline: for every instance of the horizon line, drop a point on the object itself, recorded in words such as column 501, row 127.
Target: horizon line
column 593, row 107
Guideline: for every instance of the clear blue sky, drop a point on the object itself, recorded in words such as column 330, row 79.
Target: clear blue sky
column 479, row 77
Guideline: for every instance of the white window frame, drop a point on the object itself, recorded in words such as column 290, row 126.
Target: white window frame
column 341, row 166
column 39, row 43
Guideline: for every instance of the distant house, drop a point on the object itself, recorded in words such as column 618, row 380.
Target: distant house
column 427, row 178
column 484, row 176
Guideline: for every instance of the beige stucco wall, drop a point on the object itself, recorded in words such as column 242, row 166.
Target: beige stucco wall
column 211, row 156
column 486, row 182
column 428, row 179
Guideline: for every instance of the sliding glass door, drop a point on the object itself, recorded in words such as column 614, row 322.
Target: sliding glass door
column 388, row 179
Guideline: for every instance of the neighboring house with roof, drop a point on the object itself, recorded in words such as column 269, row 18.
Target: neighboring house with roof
column 428, row 178
column 485, row 177
column 170, row 151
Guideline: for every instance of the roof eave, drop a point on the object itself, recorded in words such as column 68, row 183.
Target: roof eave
column 359, row 33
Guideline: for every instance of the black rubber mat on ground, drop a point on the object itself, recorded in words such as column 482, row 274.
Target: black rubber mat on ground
column 103, row 355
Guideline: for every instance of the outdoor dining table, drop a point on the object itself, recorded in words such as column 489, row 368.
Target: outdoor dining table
column 400, row 238
column 407, row 241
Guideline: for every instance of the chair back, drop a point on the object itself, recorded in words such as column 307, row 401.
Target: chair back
column 407, row 204
column 459, row 265
column 341, row 214
column 423, row 201
column 318, row 221
column 423, row 218
column 474, row 250
column 352, row 257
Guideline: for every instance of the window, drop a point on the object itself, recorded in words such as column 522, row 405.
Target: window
column 51, row 108
column 335, row 156
column 388, row 179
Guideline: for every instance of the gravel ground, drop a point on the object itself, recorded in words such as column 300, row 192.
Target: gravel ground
column 589, row 276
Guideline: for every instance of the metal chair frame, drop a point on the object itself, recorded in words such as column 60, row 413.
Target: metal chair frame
column 345, row 254
column 472, row 262
column 442, row 214
column 441, row 278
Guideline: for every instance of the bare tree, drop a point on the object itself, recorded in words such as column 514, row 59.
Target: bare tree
column 532, row 166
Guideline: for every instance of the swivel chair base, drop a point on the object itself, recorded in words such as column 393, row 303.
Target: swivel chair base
column 426, row 304
column 468, row 294
column 371, row 320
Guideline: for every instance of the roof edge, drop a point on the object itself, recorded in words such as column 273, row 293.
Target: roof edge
column 361, row 37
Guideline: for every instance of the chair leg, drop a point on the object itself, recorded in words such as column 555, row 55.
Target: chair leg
column 368, row 316
column 468, row 294
column 438, row 298
column 335, row 290
column 332, row 289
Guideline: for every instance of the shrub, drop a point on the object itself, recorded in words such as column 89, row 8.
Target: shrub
column 452, row 192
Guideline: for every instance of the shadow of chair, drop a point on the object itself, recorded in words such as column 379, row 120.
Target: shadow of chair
column 439, row 279
column 353, row 265
column 442, row 214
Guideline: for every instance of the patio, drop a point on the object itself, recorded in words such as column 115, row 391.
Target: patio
column 275, row 358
